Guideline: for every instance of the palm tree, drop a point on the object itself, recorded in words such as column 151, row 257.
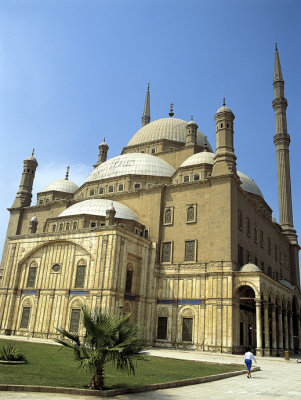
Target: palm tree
column 108, row 339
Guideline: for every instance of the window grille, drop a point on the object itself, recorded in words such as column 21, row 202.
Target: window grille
column 190, row 214
column 80, row 276
column 187, row 330
column 189, row 250
column 166, row 252
column 31, row 277
column 74, row 320
column 25, row 318
column 129, row 279
column 162, row 328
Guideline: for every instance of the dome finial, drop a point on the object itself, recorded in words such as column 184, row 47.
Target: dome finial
column 32, row 154
column 224, row 101
column 191, row 118
column 171, row 113
column 67, row 173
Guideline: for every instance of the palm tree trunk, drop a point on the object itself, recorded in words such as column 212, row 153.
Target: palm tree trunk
column 97, row 381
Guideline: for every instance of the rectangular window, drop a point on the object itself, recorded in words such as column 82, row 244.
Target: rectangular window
column 74, row 320
column 129, row 279
column 248, row 227
column 31, row 277
column 186, row 178
column 187, row 329
column 92, row 192
column 25, row 318
column 80, row 276
column 153, row 151
column 196, row 177
column 261, row 239
column 239, row 220
column 101, row 190
column 189, row 250
column 162, row 328
column 111, row 189
column 240, row 256
column 137, row 185
column 166, row 252
column 120, row 188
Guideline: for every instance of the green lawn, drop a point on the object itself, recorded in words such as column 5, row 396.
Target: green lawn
column 49, row 366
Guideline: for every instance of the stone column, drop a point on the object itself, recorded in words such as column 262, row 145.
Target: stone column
column 299, row 333
column 258, row 328
column 280, row 329
column 266, row 329
column 291, row 331
column 285, row 331
column 274, row 330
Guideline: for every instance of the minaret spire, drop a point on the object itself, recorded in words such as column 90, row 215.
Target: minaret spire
column 146, row 111
column 282, row 141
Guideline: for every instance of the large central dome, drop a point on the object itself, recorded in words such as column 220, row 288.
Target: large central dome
column 165, row 128
column 131, row 164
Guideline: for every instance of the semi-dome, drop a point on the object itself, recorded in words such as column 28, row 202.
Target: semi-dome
column 165, row 128
column 62, row 185
column 205, row 157
column 250, row 268
column 99, row 207
column 132, row 164
column 248, row 184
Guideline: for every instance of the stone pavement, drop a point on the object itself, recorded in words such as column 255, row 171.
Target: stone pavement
column 277, row 379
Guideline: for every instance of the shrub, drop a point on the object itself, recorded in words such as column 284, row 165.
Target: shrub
column 11, row 353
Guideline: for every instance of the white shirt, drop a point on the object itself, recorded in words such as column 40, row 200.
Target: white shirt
column 249, row 356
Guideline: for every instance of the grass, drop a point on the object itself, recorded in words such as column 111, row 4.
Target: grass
column 50, row 365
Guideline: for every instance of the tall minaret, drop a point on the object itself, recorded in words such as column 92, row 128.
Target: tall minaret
column 103, row 153
column 146, row 111
column 24, row 195
column 282, row 141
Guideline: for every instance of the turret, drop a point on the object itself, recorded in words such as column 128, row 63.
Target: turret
column 146, row 110
column 24, row 195
column 225, row 159
column 110, row 215
column 191, row 132
column 103, row 153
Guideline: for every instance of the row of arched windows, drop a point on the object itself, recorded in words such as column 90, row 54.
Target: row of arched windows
column 190, row 214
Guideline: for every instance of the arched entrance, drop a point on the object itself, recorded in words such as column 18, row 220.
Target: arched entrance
column 247, row 318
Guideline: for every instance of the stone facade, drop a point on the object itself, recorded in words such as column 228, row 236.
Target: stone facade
column 192, row 253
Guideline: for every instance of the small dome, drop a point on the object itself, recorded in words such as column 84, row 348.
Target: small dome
column 248, row 184
column 131, row 164
column 205, row 157
column 31, row 158
column 62, row 185
column 223, row 109
column 99, row 207
column 165, row 128
column 250, row 268
column 286, row 283
column 191, row 123
column 34, row 219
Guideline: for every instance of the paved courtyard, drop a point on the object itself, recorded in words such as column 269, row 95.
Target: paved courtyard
column 277, row 379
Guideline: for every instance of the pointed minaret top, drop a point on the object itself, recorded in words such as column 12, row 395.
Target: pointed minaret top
column 277, row 66
column 146, row 111
column 32, row 154
column 171, row 113
column 224, row 101
column 67, row 173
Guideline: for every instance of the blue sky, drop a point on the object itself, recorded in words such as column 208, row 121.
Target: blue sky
column 75, row 71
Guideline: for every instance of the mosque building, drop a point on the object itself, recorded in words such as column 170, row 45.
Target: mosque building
column 168, row 231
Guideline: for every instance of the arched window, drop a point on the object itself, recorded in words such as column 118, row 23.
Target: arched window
column 67, row 227
column 61, row 227
column 74, row 320
column 31, row 278
column 53, row 228
column 190, row 214
column 25, row 318
column 74, row 225
column 80, row 275
column 129, row 280
column 167, row 216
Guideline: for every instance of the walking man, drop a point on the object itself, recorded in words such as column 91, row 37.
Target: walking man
column 249, row 356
